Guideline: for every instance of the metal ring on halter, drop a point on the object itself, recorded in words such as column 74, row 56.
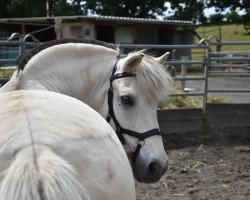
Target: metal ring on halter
column 141, row 142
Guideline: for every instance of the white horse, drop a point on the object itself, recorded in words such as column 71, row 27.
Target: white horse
column 54, row 147
column 124, row 90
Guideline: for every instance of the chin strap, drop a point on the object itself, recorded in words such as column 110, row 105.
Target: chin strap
column 119, row 129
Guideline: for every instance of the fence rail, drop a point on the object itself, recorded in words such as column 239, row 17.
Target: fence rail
column 22, row 44
column 214, row 63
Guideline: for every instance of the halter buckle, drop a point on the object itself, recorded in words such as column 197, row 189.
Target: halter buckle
column 110, row 89
column 141, row 143
column 130, row 155
column 118, row 129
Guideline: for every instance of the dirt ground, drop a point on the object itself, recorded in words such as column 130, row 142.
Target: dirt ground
column 203, row 172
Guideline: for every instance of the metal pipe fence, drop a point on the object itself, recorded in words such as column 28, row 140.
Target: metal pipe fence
column 211, row 63
column 179, row 62
column 19, row 46
column 13, row 49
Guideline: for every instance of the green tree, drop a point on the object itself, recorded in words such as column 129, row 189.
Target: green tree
column 3, row 10
column 37, row 8
column 233, row 17
column 22, row 8
column 216, row 18
column 191, row 10
column 64, row 8
column 127, row 8
column 221, row 5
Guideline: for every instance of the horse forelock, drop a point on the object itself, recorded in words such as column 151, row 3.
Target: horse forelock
column 153, row 79
column 22, row 63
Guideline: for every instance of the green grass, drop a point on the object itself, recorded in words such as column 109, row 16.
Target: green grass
column 229, row 32
column 6, row 73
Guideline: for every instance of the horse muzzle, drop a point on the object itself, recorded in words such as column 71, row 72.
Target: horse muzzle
column 147, row 168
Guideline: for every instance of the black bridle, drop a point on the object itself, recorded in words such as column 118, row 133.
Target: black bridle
column 119, row 129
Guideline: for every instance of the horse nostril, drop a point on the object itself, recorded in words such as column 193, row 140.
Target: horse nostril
column 154, row 168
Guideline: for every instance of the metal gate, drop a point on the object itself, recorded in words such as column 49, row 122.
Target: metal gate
column 213, row 61
column 227, row 64
column 13, row 49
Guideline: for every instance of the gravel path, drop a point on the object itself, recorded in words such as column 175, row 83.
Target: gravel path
column 223, row 83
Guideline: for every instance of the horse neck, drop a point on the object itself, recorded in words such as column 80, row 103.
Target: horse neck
column 87, row 79
column 96, row 85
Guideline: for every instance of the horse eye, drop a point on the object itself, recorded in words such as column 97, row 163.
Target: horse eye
column 126, row 99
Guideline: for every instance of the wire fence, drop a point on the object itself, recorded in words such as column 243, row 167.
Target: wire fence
column 206, row 33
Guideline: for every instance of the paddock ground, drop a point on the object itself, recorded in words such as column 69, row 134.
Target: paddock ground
column 203, row 173
column 219, row 169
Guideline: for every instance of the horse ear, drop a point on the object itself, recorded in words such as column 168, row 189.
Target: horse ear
column 162, row 58
column 132, row 62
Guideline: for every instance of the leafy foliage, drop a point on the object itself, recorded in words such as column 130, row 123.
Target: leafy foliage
column 188, row 10
column 22, row 8
column 182, row 9
column 135, row 8
column 64, row 8
column 233, row 17
column 221, row 5
column 216, row 18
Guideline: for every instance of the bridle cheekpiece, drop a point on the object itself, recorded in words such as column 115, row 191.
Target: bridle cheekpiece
column 119, row 129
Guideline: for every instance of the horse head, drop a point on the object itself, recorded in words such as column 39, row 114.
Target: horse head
column 137, row 85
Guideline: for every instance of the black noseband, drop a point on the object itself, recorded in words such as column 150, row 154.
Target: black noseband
column 119, row 129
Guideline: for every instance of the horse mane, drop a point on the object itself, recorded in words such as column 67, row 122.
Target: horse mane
column 153, row 78
column 22, row 63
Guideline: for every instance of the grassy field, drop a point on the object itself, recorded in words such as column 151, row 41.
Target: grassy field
column 229, row 32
